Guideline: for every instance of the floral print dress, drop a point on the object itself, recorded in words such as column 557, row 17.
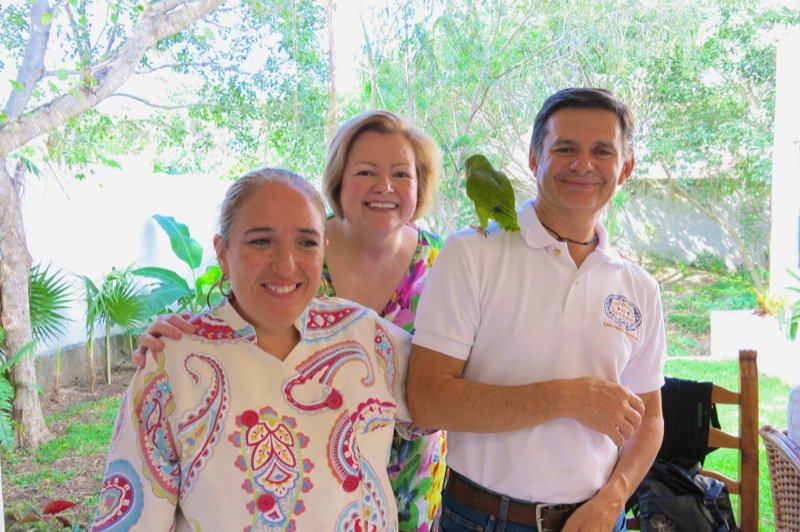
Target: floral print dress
column 416, row 468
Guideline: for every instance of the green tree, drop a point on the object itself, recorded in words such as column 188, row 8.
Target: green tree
column 229, row 95
column 115, row 301
column 98, row 50
column 474, row 73
column 50, row 296
column 711, row 116
column 171, row 293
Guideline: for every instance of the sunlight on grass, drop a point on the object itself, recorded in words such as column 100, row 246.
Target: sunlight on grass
column 773, row 397
column 81, row 439
column 106, row 407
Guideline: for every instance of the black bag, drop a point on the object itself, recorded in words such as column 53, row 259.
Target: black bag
column 673, row 497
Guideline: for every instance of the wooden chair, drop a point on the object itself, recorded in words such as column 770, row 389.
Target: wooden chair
column 746, row 485
column 783, row 459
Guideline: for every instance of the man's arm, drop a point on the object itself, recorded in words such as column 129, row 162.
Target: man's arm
column 439, row 397
column 635, row 459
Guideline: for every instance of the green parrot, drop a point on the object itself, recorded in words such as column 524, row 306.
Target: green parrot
column 491, row 192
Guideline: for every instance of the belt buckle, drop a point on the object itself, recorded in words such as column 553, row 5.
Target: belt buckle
column 539, row 518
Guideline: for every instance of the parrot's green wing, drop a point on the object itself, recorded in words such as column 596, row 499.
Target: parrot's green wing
column 491, row 192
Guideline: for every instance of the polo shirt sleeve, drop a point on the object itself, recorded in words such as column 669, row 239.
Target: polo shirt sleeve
column 448, row 314
column 645, row 370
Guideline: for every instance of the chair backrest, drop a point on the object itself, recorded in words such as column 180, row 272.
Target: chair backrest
column 783, row 459
column 746, row 485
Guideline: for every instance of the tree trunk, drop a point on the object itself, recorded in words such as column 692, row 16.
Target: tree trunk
column 92, row 365
column 108, row 352
column 15, row 267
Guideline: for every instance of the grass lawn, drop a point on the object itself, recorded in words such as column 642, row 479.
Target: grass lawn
column 773, row 396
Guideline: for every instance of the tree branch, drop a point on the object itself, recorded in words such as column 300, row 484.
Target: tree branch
column 157, row 22
column 172, row 65
column 84, row 48
column 32, row 67
column 151, row 104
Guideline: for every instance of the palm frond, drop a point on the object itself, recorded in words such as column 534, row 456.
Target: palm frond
column 6, row 406
column 7, row 395
column 50, row 296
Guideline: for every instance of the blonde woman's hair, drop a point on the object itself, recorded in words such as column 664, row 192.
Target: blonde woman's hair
column 427, row 156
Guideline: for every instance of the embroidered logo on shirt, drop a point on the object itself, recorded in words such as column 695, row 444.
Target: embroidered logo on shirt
column 623, row 312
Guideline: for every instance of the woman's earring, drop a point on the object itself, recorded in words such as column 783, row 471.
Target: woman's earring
column 219, row 285
column 229, row 294
column 323, row 289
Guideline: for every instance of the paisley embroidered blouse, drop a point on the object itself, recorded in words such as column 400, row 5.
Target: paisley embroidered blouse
column 216, row 434
column 416, row 467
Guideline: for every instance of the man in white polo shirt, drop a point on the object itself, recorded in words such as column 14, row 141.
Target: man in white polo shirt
column 541, row 352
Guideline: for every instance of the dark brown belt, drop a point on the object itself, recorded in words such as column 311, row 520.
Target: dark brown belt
column 549, row 516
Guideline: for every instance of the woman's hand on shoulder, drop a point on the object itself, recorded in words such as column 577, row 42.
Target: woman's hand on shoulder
column 169, row 325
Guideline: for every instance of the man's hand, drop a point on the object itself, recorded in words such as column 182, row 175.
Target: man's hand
column 169, row 325
column 596, row 514
column 636, row 455
column 605, row 407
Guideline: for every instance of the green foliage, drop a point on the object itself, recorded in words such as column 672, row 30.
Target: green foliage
column 689, row 294
column 88, row 432
column 50, row 295
column 93, row 138
column 710, row 262
column 116, row 301
column 7, row 392
column 792, row 316
column 615, row 208
column 263, row 93
column 681, row 344
column 170, row 292
column 14, row 23
column 690, row 308
column 183, row 245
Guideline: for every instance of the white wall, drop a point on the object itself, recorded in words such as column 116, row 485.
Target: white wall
column 785, row 243
column 87, row 227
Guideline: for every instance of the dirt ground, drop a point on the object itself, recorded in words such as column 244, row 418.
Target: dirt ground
column 89, row 467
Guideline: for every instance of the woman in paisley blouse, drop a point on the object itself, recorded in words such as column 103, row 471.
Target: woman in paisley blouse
column 380, row 176
column 277, row 410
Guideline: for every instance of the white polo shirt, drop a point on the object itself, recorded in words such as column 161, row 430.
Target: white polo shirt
column 516, row 308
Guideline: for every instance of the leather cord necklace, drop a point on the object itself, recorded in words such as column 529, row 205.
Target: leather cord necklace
column 560, row 238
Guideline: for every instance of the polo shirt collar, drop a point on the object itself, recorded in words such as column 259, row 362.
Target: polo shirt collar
column 537, row 237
